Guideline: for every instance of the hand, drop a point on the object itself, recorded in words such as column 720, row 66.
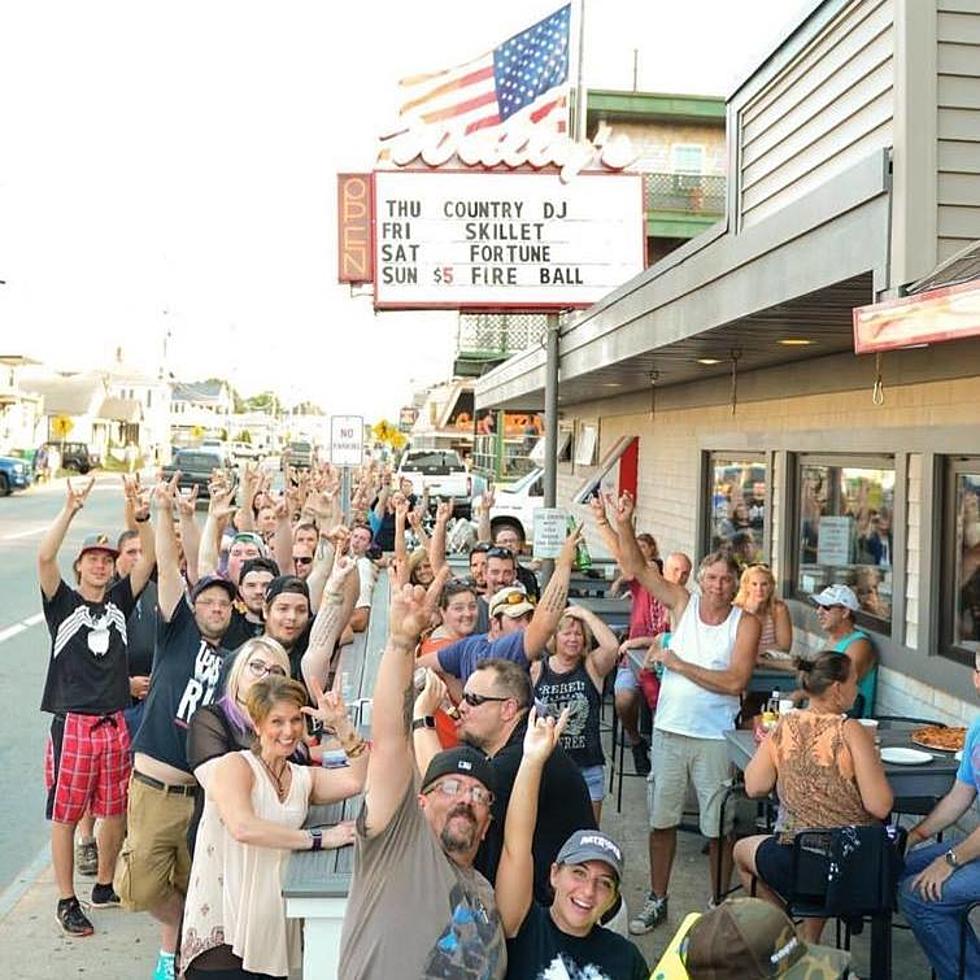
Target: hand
column 186, row 505
column 929, row 882
column 624, row 508
column 222, row 503
column 444, row 510
column 330, row 709
column 343, row 565
column 340, row 835
column 76, row 498
column 568, row 549
column 542, row 735
column 488, row 498
column 662, row 655
column 431, row 696
column 412, row 608
column 165, row 492
column 139, row 687
column 401, row 511
column 598, row 509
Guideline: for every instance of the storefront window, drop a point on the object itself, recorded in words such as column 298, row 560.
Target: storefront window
column 845, row 533
column 962, row 561
column 737, row 512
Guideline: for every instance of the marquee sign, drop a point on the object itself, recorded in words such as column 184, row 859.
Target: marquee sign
column 450, row 240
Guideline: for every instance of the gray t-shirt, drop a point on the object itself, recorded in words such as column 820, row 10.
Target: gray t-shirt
column 413, row 913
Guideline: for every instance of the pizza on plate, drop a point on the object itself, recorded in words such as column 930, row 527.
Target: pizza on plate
column 942, row 739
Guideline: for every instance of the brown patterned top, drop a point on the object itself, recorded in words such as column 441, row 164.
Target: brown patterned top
column 815, row 775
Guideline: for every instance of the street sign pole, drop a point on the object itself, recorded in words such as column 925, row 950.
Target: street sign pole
column 346, row 451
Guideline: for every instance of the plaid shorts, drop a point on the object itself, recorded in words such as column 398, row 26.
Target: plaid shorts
column 86, row 766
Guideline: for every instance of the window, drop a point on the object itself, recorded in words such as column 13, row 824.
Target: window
column 844, row 511
column 585, row 445
column 960, row 616
column 687, row 158
column 738, row 487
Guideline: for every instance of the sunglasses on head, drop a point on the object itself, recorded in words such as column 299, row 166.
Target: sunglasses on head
column 514, row 599
column 499, row 551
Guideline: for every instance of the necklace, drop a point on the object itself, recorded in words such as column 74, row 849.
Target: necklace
column 280, row 779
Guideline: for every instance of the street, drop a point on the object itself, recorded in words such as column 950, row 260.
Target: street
column 24, row 655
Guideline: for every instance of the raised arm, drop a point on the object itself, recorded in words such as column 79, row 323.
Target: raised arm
column 603, row 657
column 514, row 887
column 631, row 559
column 391, row 766
column 383, row 495
column 48, row 573
column 190, row 532
column 437, row 544
column 143, row 568
column 330, row 785
column 401, row 551
column 552, row 604
column 221, row 507
column 332, row 614
column 170, row 586
column 607, row 532
column 282, row 539
column 487, row 499
column 426, row 740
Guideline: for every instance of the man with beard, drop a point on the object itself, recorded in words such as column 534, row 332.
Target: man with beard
column 417, row 906
column 154, row 864
column 247, row 613
column 493, row 717
column 86, row 691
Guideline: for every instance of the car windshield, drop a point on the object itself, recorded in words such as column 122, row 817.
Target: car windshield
column 432, row 462
column 299, row 447
column 196, row 460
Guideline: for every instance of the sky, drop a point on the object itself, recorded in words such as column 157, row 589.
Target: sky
column 169, row 169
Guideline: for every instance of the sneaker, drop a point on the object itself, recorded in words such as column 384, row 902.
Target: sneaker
column 104, row 897
column 650, row 916
column 86, row 857
column 641, row 757
column 72, row 919
column 164, row 969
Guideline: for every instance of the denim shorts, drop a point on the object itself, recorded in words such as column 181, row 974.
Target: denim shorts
column 595, row 779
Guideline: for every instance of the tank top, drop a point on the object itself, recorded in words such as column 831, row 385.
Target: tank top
column 575, row 690
column 686, row 708
column 815, row 779
column 867, row 686
column 235, row 893
column 767, row 636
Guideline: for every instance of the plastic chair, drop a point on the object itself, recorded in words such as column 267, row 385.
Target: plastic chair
column 849, row 874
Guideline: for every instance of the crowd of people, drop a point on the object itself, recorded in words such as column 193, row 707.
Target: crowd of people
column 198, row 712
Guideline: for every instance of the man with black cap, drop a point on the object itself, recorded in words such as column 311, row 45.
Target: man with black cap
column 86, row 690
column 154, row 865
column 417, row 907
column 565, row 938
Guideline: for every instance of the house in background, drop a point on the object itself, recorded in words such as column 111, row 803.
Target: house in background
column 199, row 408
column 78, row 398
column 20, row 411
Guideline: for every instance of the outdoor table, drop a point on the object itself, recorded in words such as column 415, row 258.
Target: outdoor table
column 317, row 882
column 929, row 779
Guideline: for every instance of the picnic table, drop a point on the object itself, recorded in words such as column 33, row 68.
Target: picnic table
column 317, row 882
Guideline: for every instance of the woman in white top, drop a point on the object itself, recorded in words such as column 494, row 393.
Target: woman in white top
column 256, row 802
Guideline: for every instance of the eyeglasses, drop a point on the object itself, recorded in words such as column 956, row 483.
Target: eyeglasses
column 302, row 560
column 213, row 603
column 454, row 788
column 475, row 700
column 260, row 669
column 499, row 551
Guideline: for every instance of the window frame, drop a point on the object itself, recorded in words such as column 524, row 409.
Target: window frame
column 733, row 457
column 952, row 466
column 880, row 461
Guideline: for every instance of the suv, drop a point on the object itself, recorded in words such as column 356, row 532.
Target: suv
column 298, row 455
column 15, row 474
column 75, row 456
column 196, row 467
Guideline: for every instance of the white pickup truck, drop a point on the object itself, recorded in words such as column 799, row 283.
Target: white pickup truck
column 443, row 472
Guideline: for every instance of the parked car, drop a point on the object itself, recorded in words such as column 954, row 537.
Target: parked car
column 15, row 474
column 245, row 450
column 443, row 472
column 514, row 505
column 196, row 466
column 297, row 454
column 75, row 456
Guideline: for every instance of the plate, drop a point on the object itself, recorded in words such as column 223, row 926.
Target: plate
column 905, row 757
column 958, row 756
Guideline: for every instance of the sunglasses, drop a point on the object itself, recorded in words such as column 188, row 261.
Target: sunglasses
column 475, row 700
column 302, row 560
column 498, row 551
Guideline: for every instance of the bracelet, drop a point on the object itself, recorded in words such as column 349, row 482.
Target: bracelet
column 142, row 520
column 427, row 721
column 357, row 749
column 316, row 839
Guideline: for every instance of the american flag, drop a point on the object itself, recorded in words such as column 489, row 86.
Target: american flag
column 523, row 79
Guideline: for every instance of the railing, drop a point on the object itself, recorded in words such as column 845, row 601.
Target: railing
column 692, row 193
column 498, row 333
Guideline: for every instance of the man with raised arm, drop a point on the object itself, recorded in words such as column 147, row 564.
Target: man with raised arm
column 707, row 665
column 86, row 690
column 417, row 907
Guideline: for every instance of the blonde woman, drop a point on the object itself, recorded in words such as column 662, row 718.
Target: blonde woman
column 255, row 805
column 757, row 595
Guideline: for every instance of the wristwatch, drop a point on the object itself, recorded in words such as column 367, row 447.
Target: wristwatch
column 317, row 834
column 951, row 859
column 427, row 721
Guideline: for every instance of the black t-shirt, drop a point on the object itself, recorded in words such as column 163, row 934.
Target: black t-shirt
column 87, row 672
column 186, row 674
column 384, row 537
column 142, row 629
column 564, row 808
column 240, row 629
column 297, row 650
column 541, row 950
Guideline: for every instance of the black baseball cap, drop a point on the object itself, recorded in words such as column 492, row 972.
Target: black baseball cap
column 464, row 760
column 286, row 583
column 211, row 580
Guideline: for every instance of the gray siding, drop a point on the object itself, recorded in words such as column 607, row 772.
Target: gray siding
column 828, row 108
column 958, row 178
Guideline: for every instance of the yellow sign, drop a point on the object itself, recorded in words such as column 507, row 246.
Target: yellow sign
column 198, row 431
column 61, row 426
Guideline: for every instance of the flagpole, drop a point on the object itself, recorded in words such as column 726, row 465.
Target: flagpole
column 580, row 95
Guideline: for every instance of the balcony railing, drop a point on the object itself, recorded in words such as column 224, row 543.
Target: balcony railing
column 690, row 193
column 498, row 333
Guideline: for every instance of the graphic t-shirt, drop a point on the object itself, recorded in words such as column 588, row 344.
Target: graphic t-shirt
column 541, row 951
column 575, row 690
column 87, row 672
column 413, row 913
column 460, row 658
column 186, row 674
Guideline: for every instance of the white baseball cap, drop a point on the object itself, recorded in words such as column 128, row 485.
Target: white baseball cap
column 837, row 595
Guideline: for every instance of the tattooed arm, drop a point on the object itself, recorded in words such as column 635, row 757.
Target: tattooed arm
column 549, row 610
column 391, row 768
column 335, row 608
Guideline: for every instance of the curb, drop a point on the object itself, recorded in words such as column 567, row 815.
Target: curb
column 24, row 881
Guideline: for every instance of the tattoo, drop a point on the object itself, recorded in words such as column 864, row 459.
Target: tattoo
column 408, row 707
column 555, row 601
